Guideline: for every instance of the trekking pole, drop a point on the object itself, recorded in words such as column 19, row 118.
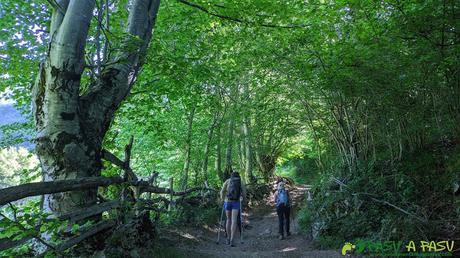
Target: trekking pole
column 241, row 221
column 220, row 224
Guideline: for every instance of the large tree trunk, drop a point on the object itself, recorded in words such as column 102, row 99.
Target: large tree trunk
column 71, row 127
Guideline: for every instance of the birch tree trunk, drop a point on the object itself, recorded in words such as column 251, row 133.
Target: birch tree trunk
column 71, row 127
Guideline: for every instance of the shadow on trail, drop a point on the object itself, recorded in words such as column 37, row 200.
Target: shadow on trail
column 260, row 237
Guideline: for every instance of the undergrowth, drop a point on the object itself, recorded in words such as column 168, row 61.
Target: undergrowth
column 411, row 199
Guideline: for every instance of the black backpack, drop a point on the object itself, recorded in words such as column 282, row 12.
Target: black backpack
column 234, row 189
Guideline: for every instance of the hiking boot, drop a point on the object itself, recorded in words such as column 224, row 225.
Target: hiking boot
column 288, row 234
column 228, row 241
column 281, row 237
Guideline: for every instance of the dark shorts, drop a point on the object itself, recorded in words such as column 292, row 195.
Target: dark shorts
column 232, row 205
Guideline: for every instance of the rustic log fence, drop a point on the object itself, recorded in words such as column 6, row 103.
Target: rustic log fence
column 129, row 181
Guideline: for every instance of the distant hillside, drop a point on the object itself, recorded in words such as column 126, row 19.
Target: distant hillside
column 10, row 115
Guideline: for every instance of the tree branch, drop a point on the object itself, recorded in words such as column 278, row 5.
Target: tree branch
column 99, row 103
column 89, row 211
column 238, row 20
column 124, row 165
column 371, row 196
column 101, row 226
column 8, row 243
column 35, row 235
column 110, row 157
column 128, row 149
column 56, row 6
column 32, row 189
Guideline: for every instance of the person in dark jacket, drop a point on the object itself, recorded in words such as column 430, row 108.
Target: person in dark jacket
column 283, row 209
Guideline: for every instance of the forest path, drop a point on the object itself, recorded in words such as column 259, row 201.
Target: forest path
column 260, row 237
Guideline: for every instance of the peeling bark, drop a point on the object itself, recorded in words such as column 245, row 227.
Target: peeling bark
column 70, row 127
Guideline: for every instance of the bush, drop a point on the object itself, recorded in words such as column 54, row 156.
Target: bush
column 305, row 218
column 18, row 166
column 381, row 202
column 199, row 215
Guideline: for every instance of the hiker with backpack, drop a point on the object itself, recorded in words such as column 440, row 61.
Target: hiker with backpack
column 283, row 209
column 233, row 191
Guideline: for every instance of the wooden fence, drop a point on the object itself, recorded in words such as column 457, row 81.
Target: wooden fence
column 129, row 181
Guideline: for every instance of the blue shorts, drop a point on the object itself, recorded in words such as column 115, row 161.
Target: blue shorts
column 232, row 205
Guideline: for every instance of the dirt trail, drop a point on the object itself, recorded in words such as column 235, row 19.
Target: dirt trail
column 260, row 239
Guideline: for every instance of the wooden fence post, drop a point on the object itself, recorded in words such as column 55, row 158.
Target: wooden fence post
column 171, row 192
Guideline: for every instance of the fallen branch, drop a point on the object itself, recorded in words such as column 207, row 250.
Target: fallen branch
column 90, row 211
column 32, row 189
column 101, row 226
column 72, row 216
column 8, row 243
column 399, row 209
column 154, row 189
column 35, row 235
column 110, row 157
column 162, row 190
column 154, row 201
column 158, row 210
column 124, row 165
column 191, row 190
column 372, row 197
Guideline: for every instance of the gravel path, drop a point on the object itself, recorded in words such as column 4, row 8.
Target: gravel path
column 260, row 238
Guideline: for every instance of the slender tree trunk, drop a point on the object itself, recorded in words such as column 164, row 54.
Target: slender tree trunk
column 70, row 127
column 204, row 168
column 188, row 147
column 260, row 161
column 242, row 156
column 248, row 148
column 229, row 151
column 218, row 160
